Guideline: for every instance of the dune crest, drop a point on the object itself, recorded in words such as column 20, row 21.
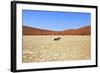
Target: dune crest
column 86, row 30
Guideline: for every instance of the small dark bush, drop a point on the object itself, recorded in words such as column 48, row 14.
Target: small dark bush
column 58, row 38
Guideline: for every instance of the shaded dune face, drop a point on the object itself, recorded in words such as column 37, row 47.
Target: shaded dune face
column 36, row 31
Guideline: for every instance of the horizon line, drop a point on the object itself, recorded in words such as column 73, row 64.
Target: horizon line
column 56, row 30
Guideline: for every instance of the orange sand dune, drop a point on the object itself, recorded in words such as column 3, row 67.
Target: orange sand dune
column 36, row 31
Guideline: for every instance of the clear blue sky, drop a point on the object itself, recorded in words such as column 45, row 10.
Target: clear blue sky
column 56, row 21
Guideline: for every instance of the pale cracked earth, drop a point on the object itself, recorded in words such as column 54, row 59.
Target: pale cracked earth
column 44, row 49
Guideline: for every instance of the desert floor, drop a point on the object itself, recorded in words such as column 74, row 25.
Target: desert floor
column 44, row 49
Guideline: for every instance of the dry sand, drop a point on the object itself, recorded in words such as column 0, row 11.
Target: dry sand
column 45, row 49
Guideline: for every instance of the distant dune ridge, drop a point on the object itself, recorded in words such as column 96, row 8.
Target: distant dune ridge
column 86, row 30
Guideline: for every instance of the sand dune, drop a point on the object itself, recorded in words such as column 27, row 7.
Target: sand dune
column 86, row 30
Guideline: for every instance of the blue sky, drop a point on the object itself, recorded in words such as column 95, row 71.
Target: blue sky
column 56, row 21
